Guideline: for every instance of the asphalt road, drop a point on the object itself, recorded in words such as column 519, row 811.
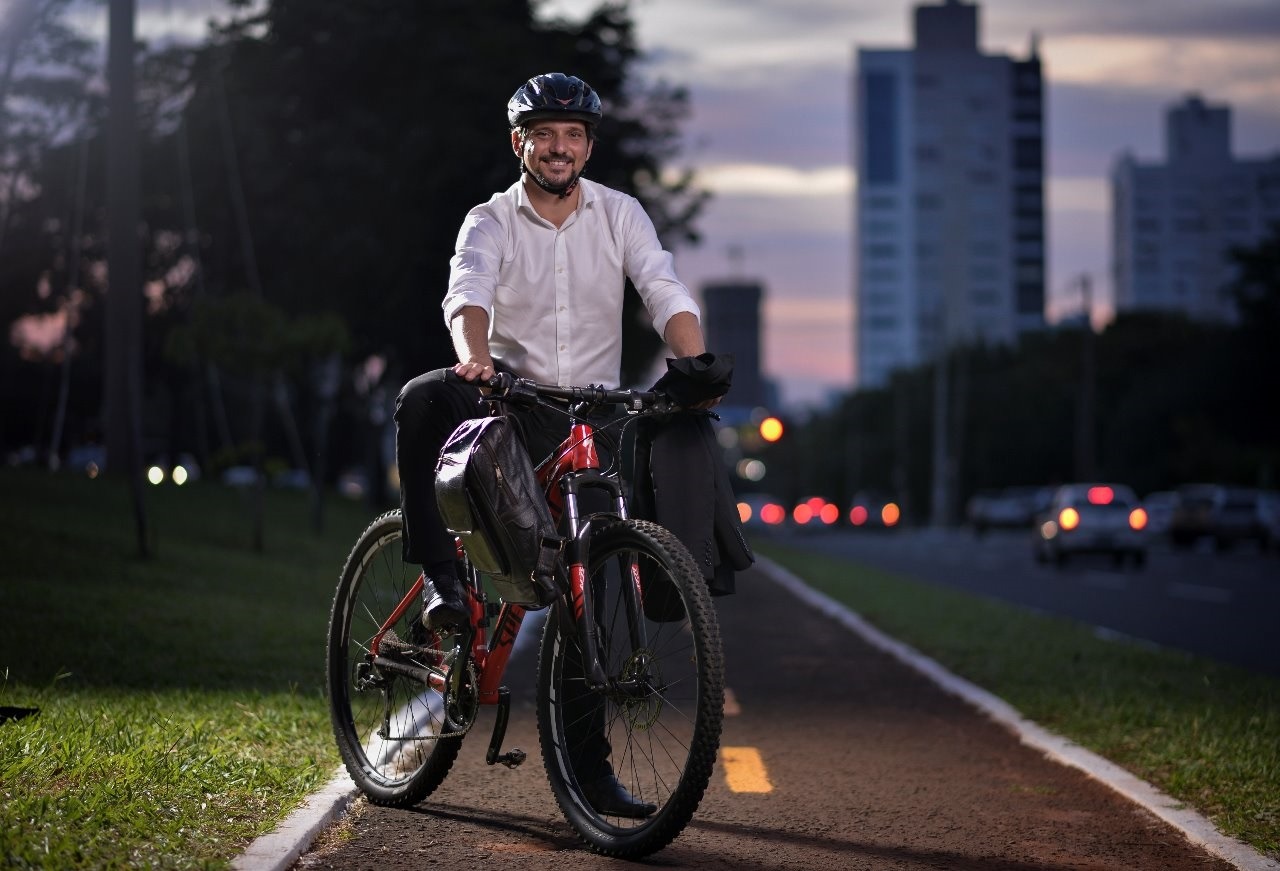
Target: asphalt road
column 1221, row 605
column 867, row 765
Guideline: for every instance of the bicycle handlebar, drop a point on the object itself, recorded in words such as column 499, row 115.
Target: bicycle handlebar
column 510, row 387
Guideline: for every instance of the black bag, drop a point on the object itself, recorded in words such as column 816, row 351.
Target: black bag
column 490, row 498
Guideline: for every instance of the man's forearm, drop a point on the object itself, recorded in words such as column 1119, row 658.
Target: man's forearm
column 683, row 335
column 470, row 331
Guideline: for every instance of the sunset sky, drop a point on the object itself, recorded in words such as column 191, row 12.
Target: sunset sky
column 771, row 129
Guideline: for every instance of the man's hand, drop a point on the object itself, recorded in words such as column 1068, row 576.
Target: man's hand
column 473, row 370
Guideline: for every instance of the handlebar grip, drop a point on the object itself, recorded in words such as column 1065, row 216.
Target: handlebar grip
column 500, row 381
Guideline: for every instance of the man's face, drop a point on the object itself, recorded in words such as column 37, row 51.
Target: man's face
column 554, row 151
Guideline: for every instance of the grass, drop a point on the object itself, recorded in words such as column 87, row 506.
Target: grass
column 181, row 706
column 1206, row 733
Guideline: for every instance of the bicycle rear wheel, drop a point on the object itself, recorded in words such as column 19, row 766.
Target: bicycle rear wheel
column 387, row 718
column 656, row 727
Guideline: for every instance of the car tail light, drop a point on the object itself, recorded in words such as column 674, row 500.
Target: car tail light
column 1101, row 495
column 1068, row 519
column 744, row 512
column 830, row 513
column 773, row 514
column 802, row 513
column 890, row 514
column 1138, row 518
column 858, row 515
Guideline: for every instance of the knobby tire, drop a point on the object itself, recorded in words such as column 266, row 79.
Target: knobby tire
column 405, row 765
column 662, row 742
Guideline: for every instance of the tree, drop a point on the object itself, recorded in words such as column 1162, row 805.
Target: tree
column 321, row 154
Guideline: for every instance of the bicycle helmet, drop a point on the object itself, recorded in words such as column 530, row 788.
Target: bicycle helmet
column 555, row 96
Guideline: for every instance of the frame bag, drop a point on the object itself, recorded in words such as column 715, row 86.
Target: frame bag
column 489, row 498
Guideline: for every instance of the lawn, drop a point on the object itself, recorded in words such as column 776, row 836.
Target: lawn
column 180, row 698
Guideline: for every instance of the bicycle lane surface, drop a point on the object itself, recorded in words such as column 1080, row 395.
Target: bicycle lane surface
column 867, row 765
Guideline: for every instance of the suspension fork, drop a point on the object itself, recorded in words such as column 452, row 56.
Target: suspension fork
column 582, row 595
column 582, row 600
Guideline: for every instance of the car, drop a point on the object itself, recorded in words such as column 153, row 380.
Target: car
column 1092, row 518
column 1269, row 514
column 1160, row 507
column 873, row 510
column 815, row 513
column 760, row 511
column 1234, row 517
column 1190, row 520
column 1010, row 508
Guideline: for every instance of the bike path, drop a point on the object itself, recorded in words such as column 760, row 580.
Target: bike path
column 873, row 757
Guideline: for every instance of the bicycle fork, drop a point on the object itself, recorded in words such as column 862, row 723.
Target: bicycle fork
column 581, row 594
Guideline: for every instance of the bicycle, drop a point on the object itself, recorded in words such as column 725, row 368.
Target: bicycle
column 402, row 698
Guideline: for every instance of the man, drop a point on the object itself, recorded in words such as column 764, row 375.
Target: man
column 536, row 286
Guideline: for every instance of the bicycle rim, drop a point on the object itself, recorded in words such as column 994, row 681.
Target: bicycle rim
column 387, row 720
column 660, row 735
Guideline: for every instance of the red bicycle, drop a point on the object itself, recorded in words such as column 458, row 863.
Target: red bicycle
column 646, row 694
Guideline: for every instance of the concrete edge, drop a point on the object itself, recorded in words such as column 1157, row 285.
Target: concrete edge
column 1196, row 828
column 279, row 849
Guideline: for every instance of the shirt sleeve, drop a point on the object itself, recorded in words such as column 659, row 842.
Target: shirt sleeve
column 477, row 257
column 651, row 269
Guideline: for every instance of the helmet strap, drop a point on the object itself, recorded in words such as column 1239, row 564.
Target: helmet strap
column 562, row 192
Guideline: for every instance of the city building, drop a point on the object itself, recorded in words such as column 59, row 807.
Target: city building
column 950, row 204
column 1174, row 223
column 731, row 318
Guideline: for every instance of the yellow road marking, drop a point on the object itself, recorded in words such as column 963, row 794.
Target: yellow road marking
column 731, row 706
column 744, row 770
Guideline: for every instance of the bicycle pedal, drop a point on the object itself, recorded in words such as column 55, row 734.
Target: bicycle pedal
column 512, row 758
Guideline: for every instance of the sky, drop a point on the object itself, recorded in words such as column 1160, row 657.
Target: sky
column 771, row 126
column 770, row 134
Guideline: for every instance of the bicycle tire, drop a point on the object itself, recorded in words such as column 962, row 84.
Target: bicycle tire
column 662, row 742
column 404, row 766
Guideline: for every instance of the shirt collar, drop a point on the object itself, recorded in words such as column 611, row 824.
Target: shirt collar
column 586, row 196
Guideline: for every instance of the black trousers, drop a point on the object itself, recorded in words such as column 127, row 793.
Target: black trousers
column 428, row 410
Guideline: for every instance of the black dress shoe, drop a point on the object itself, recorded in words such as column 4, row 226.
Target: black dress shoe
column 608, row 796
column 442, row 603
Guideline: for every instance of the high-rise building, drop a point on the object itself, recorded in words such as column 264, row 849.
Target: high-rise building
column 950, row 204
column 731, row 315
column 1174, row 223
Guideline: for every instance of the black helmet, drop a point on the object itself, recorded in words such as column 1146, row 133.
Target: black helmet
column 555, row 96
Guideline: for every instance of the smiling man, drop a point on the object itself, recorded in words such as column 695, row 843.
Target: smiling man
column 536, row 287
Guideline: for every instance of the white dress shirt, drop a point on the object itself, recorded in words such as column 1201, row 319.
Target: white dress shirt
column 554, row 295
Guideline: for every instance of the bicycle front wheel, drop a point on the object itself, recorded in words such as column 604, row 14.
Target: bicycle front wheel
column 655, row 726
column 390, row 723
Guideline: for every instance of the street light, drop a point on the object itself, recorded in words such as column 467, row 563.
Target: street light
column 771, row 429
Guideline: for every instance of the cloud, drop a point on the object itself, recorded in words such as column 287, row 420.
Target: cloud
column 1080, row 194
column 773, row 180
column 1244, row 72
column 1223, row 19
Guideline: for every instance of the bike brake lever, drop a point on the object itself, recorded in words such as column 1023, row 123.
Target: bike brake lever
column 521, row 392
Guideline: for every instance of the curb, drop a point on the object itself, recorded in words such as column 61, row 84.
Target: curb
column 278, row 850
column 1196, row 828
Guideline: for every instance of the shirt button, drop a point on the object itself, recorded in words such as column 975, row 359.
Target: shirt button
column 562, row 347
column 562, row 308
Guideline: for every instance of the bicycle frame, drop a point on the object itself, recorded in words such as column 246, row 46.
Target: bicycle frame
column 573, row 466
